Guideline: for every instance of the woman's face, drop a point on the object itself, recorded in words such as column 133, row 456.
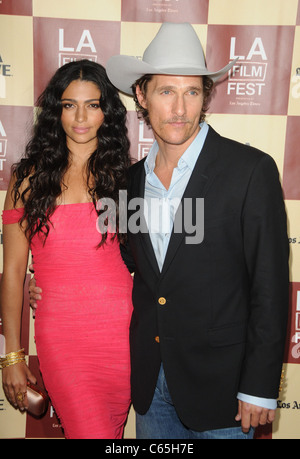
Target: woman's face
column 81, row 114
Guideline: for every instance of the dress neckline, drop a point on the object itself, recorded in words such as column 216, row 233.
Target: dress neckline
column 75, row 203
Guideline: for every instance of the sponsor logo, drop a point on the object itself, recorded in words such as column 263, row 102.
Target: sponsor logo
column 165, row 10
column 247, row 77
column 295, row 339
column 294, row 405
column 292, row 351
column 3, row 146
column 144, row 142
column 72, row 40
column 71, row 53
column 163, row 6
column 5, row 71
column 140, row 136
column 259, row 81
column 295, row 91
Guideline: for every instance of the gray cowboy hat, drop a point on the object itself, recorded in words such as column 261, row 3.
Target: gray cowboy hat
column 175, row 50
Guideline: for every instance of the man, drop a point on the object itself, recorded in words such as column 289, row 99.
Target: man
column 210, row 302
column 209, row 319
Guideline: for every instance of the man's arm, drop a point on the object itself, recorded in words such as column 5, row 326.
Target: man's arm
column 267, row 253
column 127, row 257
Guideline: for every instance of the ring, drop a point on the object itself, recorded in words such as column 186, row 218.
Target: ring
column 20, row 397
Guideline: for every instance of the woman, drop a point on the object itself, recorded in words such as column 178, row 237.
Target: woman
column 77, row 155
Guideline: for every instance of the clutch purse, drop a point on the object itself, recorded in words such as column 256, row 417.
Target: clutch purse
column 37, row 401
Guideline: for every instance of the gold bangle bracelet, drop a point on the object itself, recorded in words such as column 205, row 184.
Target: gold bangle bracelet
column 12, row 358
column 15, row 354
column 10, row 363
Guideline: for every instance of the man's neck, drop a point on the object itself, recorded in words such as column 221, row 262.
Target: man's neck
column 169, row 154
column 167, row 158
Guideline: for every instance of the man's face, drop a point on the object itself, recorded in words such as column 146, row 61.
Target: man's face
column 174, row 104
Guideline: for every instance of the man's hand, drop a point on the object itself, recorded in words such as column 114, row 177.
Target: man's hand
column 253, row 416
column 34, row 294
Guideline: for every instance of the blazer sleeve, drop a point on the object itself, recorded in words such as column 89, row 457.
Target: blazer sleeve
column 127, row 257
column 266, row 249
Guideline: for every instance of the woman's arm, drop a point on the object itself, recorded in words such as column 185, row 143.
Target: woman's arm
column 15, row 258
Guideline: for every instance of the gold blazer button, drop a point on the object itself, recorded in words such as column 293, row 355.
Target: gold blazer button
column 162, row 301
column 157, row 339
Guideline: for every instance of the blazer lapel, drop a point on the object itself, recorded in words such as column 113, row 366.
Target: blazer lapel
column 199, row 183
column 201, row 179
column 138, row 191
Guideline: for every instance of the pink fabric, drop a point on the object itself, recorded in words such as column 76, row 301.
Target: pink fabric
column 12, row 216
column 82, row 323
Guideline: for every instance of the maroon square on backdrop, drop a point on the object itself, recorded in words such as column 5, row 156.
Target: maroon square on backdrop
column 195, row 12
column 259, row 82
column 58, row 41
column 16, row 7
column 15, row 128
column 291, row 167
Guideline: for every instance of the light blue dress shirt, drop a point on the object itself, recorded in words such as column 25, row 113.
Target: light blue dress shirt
column 161, row 204
column 160, row 209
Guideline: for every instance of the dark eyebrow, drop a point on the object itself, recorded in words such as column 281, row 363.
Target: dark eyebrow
column 189, row 88
column 75, row 101
column 195, row 88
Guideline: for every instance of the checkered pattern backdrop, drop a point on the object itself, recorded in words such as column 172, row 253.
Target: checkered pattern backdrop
column 258, row 104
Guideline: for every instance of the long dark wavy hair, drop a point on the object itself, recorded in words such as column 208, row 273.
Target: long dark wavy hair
column 46, row 158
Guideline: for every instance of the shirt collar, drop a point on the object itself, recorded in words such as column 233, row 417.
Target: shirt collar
column 188, row 158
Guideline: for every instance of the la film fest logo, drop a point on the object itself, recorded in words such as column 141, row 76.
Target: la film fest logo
column 144, row 142
column 84, row 49
column 153, row 215
column 3, row 146
column 5, row 72
column 295, row 349
column 247, row 77
column 296, row 84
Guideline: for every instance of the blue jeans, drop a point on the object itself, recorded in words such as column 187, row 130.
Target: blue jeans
column 162, row 422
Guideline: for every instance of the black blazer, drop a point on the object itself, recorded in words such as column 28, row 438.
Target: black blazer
column 220, row 328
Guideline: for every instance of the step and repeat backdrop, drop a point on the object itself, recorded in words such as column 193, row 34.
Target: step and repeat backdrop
column 258, row 104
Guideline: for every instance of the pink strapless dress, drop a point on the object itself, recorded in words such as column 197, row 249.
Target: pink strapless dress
column 82, row 323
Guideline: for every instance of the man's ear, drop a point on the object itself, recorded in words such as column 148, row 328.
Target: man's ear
column 141, row 97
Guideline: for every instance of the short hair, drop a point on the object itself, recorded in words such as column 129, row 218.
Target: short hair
column 143, row 82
